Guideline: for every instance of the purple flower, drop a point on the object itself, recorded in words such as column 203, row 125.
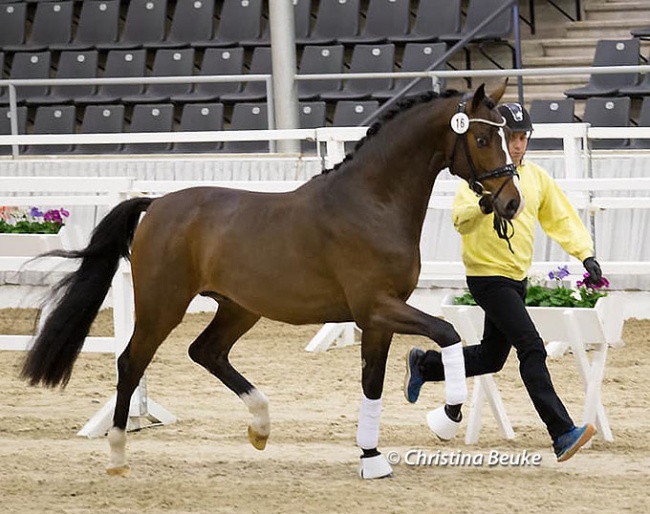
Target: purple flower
column 560, row 273
column 34, row 212
column 603, row 283
column 64, row 213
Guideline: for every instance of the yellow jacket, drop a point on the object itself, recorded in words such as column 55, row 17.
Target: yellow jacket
column 484, row 254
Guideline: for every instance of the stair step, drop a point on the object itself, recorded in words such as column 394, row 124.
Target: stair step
column 555, row 62
column 616, row 29
column 609, row 11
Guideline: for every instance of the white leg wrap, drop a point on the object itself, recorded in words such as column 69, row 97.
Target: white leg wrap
column 368, row 427
column 258, row 406
column 117, row 442
column 455, row 382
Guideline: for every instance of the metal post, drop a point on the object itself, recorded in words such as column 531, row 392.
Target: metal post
column 283, row 55
column 520, row 79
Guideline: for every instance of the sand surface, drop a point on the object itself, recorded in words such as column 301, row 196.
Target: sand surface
column 204, row 463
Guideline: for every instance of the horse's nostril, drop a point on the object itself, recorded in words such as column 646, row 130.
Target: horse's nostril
column 512, row 207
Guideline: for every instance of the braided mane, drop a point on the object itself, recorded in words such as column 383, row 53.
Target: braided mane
column 401, row 106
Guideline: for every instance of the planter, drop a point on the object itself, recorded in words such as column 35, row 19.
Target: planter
column 561, row 328
column 29, row 245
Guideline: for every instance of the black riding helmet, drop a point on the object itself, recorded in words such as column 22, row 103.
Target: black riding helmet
column 517, row 117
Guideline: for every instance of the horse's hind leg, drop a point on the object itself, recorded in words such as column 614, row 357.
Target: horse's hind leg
column 211, row 349
column 374, row 353
column 154, row 320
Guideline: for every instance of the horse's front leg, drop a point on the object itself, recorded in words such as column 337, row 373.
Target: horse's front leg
column 374, row 352
column 395, row 316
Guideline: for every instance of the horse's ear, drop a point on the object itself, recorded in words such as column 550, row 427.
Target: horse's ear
column 496, row 95
column 479, row 96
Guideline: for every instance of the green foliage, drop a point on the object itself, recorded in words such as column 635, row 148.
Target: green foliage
column 33, row 221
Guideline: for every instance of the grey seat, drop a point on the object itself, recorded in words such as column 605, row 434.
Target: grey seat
column 144, row 25
column 52, row 25
column 432, row 19
column 98, row 23
column 150, row 118
column 5, row 125
column 29, row 65
column 261, row 64
column 608, row 112
column 200, row 118
column 216, row 61
column 239, row 20
column 168, row 62
column 610, row 52
column 417, row 57
column 366, row 59
column 312, row 115
column 122, row 64
column 12, row 21
column 334, row 20
column 59, row 119
column 550, row 111
column 643, row 121
column 301, row 22
column 349, row 113
column 384, row 18
column 192, row 20
column 248, row 116
column 72, row 64
column 101, row 119
column 319, row 60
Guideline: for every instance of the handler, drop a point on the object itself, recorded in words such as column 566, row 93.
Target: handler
column 496, row 272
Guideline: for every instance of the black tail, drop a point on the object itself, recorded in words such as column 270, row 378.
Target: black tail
column 81, row 293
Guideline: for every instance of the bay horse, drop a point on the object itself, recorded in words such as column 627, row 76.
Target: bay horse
column 342, row 247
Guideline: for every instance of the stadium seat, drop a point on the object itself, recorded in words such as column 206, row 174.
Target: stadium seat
column 432, row 19
column 168, row 62
column 150, row 118
column 301, row 21
column 192, row 20
column 5, row 125
column 248, row 116
column 253, row 91
column 216, row 61
column 312, row 115
column 29, row 65
column 334, row 19
column 98, row 23
column 640, row 89
column 608, row 112
column 12, row 21
column 72, row 64
column 52, row 25
column 144, row 25
column 348, row 113
column 384, row 18
column 59, row 119
column 201, row 117
column 319, row 60
column 101, row 119
column 643, row 121
column 550, row 111
column 365, row 59
column 417, row 57
column 122, row 64
column 238, row 21
column 641, row 32
column 610, row 52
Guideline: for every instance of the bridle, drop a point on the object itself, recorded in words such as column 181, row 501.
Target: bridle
column 460, row 125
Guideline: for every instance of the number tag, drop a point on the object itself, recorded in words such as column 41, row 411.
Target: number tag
column 460, row 123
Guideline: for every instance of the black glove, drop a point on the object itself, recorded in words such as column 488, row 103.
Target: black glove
column 485, row 203
column 593, row 268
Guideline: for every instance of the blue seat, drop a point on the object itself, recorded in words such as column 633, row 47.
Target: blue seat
column 319, row 60
column 238, row 21
column 150, row 118
column 59, row 119
column 101, row 119
column 248, row 116
column 550, row 111
column 608, row 112
column 200, row 118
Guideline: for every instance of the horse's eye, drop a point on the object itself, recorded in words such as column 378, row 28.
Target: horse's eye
column 481, row 142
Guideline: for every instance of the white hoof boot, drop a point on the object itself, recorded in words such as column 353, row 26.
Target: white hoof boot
column 441, row 425
column 374, row 467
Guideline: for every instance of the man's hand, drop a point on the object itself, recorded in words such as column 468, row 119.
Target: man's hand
column 593, row 268
column 485, row 203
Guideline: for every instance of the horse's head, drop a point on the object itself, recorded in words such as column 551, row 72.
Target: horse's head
column 479, row 151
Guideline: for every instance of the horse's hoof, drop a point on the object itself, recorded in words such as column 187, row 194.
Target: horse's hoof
column 119, row 471
column 442, row 425
column 374, row 467
column 257, row 440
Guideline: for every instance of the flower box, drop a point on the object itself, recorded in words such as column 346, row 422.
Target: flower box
column 27, row 245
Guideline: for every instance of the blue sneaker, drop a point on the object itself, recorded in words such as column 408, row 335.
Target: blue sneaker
column 413, row 380
column 566, row 445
